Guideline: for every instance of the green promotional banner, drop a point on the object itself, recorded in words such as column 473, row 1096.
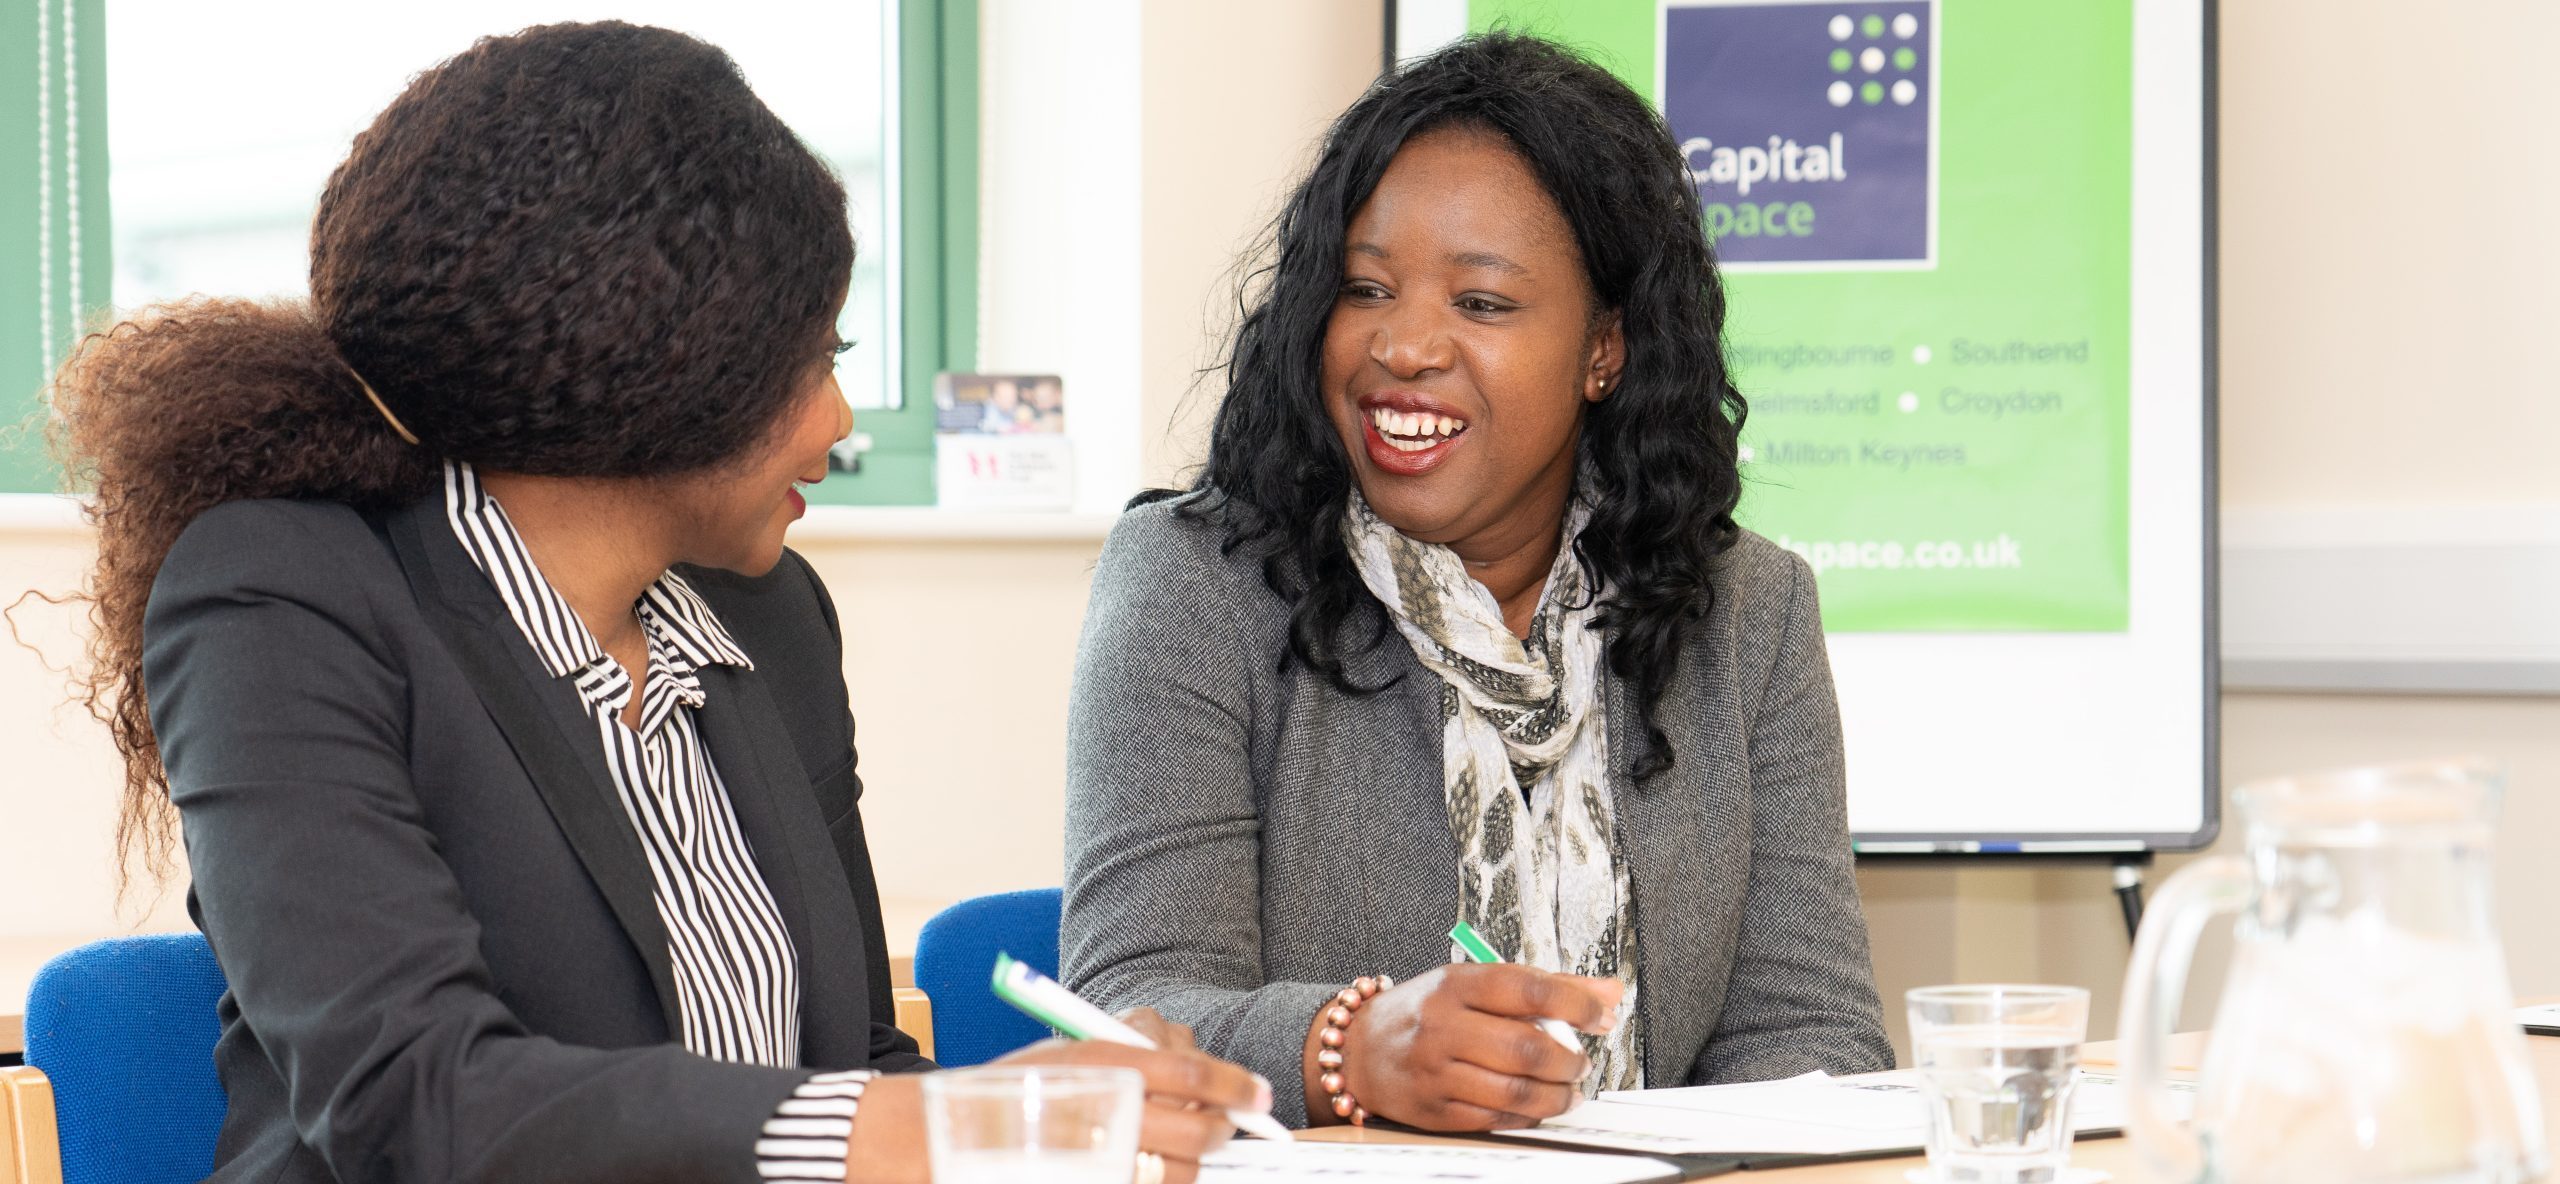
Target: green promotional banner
column 1923, row 211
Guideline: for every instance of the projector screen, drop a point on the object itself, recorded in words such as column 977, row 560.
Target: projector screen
column 1967, row 253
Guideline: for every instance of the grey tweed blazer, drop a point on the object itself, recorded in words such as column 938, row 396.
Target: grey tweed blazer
column 1242, row 840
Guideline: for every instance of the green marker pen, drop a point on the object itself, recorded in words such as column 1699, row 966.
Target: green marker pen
column 1474, row 944
column 1037, row 995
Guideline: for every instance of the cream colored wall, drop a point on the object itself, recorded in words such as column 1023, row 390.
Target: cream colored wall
column 2377, row 350
column 959, row 656
column 1236, row 96
column 2388, row 248
column 58, row 776
column 2062, row 924
column 2344, row 341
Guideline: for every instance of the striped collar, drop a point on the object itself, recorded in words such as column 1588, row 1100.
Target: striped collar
column 684, row 634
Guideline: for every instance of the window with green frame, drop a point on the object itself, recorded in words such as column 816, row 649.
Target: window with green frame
column 936, row 216
column 157, row 152
column 53, row 211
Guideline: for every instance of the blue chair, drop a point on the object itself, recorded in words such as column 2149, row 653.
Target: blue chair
column 956, row 955
column 118, row 1085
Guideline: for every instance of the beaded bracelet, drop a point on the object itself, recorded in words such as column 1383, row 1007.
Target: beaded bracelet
column 1337, row 1021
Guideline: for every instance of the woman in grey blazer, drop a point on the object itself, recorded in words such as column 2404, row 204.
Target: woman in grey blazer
column 1456, row 625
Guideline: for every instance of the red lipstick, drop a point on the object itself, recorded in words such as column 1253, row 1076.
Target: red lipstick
column 1408, row 433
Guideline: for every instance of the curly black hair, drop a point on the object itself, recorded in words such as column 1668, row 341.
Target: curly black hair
column 1660, row 454
column 582, row 250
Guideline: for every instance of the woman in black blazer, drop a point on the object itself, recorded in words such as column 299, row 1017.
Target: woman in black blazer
column 450, row 617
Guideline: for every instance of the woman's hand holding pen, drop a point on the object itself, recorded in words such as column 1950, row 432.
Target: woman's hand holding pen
column 1188, row 1092
column 1456, row 1049
column 1188, row 1096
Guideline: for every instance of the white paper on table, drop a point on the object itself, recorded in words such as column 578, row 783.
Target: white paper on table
column 1252, row 1161
column 2099, row 1103
column 1871, row 1104
column 1815, row 1114
column 1664, row 1130
column 2545, row 1015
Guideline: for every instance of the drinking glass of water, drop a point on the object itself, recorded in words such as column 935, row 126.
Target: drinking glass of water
column 1996, row 1065
column 1072, row 1125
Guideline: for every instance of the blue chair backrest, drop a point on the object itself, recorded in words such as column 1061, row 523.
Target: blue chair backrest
column 124, row 1029
column 956, row 958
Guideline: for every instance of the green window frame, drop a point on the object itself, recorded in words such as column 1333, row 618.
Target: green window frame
column 55, row 230
column 937, row 226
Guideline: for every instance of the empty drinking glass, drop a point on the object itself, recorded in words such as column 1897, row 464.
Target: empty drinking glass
column 1072, row 1125
column 1997, row 1063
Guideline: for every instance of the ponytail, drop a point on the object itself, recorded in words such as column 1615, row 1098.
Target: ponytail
column 184, row 407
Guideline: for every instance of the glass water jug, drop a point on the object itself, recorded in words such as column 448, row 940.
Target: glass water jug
column 2366, row 1032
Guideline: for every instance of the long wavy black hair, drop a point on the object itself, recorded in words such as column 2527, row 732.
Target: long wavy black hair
column 1659, row 454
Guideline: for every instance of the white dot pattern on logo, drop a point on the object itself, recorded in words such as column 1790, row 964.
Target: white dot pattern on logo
column 1870, row 81
column 1905, row 26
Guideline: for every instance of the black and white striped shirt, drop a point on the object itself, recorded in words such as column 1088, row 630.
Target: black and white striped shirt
column 736, row 972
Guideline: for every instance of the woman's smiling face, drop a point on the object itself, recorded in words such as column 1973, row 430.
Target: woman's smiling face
column 734, row 516
column 1463, row 345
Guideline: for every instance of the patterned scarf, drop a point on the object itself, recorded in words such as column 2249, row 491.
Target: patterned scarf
column 1538, row 871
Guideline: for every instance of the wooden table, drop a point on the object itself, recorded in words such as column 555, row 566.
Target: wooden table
column 2115, row 1156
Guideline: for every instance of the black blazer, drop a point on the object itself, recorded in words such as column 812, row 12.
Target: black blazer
column 435, row 918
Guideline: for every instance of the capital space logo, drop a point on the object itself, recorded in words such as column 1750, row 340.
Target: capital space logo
column 1810, row 129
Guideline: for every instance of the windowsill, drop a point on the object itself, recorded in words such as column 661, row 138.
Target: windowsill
column 50, row 513
column 933, row 524
column 40, row 513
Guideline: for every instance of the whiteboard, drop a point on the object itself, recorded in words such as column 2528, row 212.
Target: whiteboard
column 2073, row 741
